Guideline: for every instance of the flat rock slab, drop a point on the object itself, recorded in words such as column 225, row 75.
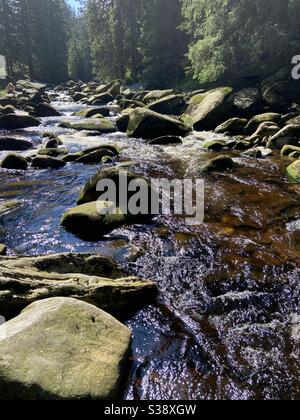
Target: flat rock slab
column 14, row 144
column 62, row 348
column 92, row 278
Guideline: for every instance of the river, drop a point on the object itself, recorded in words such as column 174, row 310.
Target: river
column 226, row 324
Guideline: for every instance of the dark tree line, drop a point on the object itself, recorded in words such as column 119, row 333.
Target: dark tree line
column 157, row 43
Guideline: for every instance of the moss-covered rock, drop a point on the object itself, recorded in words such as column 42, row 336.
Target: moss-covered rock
column 89, row 113
column 15, row 122
column 214, row 145
column 155, row 95
column 288, row 149
column 14, row 161
column 102, row 125
column 219, row 164
column 289, row 135
column 234, row 126
column 208, row 110
column 91, row 221
column 293, row 171
column 265, row 129
column 63, row 349
column 146, row 124
column 169, row 105
column 256, row 121
column 47, row 162
column 94, row 157
column 3, row 249
column 52, row 152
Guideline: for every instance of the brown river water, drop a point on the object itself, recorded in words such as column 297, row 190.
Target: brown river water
column 226, row 324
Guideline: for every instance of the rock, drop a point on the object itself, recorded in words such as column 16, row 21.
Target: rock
column 14, row 144
column 95, row 157
column 3, row 249
column 294, row 171
column 256, row 121
column 154, row 95
column 239, row 145
column 95, row 279
column 288, row 150
column 52, row 152
column 14, row 122
column 289, row 135
column 209, row 109
column 52, row 144
column 169, row 105
column 247, row 102
column 295, row 120
column 26, row 84
column 122, row 123
column 146, row 124
column 107, row 160
column 46, row 162
column 63, row 349
column 167, row 140
column 110, row 150
column 89, row 113
column 9, row 206
column 265, row 129
column 72, row 157
column 126, row 103
column 281, row 94
column 14, row 161
column 258, row 152
column 91, row 222
column 220, row 163
column 102, row 99
column 78, row 97
column 45, row 110
column 234, row 126
column 102, row 125
column 8, row 100
column 89, row 192
column 214, row 145
column 8, row 109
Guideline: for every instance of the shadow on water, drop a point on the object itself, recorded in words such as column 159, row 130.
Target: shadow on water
column 227, row 321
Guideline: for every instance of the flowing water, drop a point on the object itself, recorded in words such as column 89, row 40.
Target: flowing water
column 226, row 324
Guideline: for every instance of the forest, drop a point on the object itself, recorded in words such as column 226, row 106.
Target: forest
column 157, row 43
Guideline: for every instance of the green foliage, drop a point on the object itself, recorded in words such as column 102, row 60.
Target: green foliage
column 232, row 40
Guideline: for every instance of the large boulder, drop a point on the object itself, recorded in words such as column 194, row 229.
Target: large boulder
column 93, row 278
column 45, row 110
column 169, row 105
column 257, row 120
column 14, row 122
column 247, row 102
column 234, row 126
column 28, row 85
column 101, row 125
column 287, row 135
column 62, row 349
column 14, row 161
column 92, row 221
column 294, row 171
column 14, row 144
column 208, row 110
column 146, row 124
column 281, row 94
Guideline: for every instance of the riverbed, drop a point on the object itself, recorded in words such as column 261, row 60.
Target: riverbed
column 226, row 324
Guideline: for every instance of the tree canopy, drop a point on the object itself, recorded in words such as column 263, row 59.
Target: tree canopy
column 158, row 43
